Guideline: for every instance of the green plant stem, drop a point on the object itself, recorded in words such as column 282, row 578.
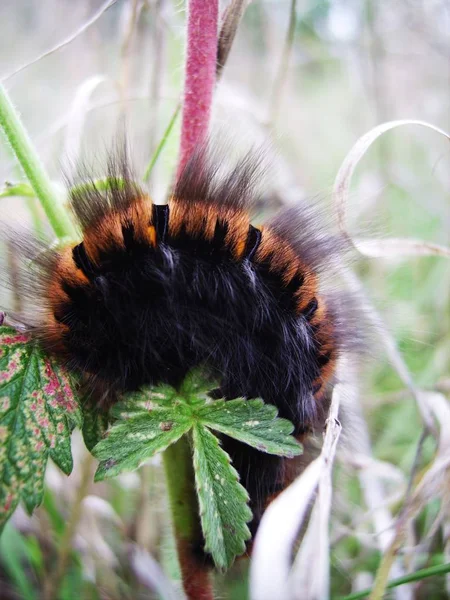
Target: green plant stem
column 65, row 546
column 416, row 576
column 185, row 519
column 162, row 142
column 23, row 148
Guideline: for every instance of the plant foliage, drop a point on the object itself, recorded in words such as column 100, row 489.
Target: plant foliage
column 38, row 411
column 150, row 421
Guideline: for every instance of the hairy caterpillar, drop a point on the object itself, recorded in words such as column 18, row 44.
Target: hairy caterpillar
column 152, row 292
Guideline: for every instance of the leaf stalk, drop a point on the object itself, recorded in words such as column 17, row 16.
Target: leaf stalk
column 180, row 480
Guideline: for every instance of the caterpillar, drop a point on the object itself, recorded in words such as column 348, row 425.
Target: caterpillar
column 153, row 291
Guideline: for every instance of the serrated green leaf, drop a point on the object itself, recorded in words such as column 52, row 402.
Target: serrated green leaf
column 194, row 389
column 222, row 499
column 137, row 438
column 147, row 399
column 38, row 411
column 252, row 422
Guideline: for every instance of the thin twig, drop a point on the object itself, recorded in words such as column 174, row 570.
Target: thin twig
column 280, row 77
column 104, row 7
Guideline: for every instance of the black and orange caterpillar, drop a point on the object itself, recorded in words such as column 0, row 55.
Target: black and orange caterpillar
column 153, row 291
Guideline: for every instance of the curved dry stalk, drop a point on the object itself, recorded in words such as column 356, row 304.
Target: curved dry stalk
column 345, row 174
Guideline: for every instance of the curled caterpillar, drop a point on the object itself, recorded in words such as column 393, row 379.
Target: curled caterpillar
column 153, row 291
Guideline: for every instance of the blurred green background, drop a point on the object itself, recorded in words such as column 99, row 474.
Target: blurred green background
column 353, row 64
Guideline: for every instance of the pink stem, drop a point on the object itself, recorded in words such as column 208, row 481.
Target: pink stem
column 200, row 75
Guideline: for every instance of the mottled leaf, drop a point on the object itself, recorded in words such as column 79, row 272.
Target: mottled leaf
column 138, row 436
column 151, row 420
column 252, row 422
column 222, row 499
column 38, row 411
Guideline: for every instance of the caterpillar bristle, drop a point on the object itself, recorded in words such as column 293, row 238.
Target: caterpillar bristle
column 152, row 291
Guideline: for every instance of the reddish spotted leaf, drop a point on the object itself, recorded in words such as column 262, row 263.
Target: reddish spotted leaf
column 38, row 411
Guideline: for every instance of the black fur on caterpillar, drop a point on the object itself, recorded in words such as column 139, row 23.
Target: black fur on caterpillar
column 152, row 292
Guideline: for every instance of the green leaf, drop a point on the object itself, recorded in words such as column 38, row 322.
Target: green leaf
column 15, row 560
column 147, row 399
column 222, row 499
column 252, row 422
column 150, row 421
column 38, row 411
column 144, row 430
column 17, row 189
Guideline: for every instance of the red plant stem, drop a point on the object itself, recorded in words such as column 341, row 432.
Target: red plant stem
column 200, row 75
column 197, row 582
column 200, row 78
column 180, row 479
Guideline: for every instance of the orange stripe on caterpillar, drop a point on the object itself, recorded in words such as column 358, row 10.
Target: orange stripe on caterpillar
column 282, row 259
column 107, row 233
column 199, row 220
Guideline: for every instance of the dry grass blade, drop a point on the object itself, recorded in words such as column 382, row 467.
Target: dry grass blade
column 276, row 536
column 150, row 574
column 76, row 119
column 433, row 485
column 393, row 353
column 373, row 490
column 272, row 574
column 397, row 247
column 345, row 174
column 307, row 583
column 65, row 42
column 231, row 18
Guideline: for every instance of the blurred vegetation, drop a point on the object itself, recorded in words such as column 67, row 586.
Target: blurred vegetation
column 354, row 64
